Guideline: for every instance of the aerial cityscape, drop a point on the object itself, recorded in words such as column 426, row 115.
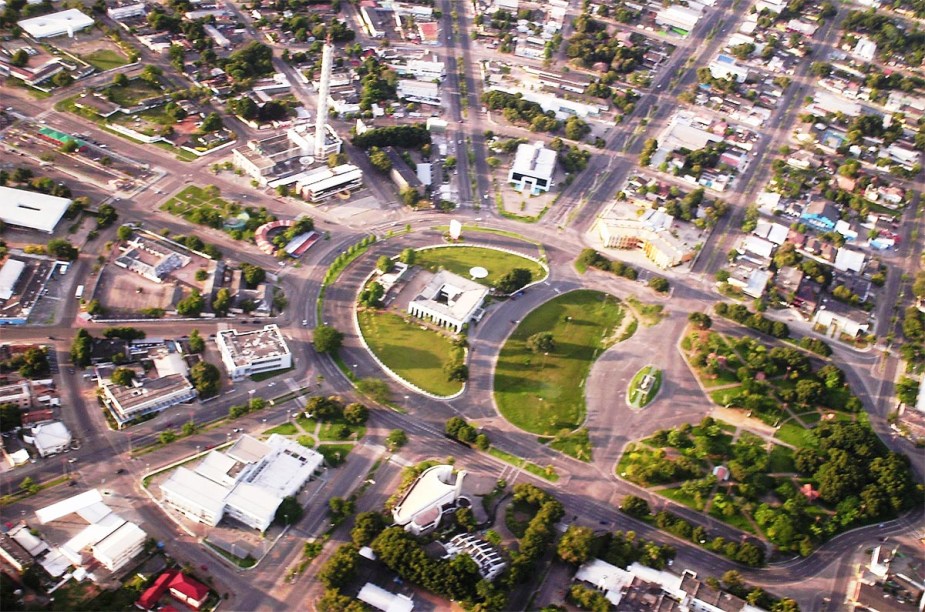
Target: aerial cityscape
column 444, row 305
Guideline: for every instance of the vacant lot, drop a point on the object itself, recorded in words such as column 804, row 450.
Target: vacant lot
column 543, row 392
column 118, row 292
column 105, row 59
column 412, row 351
column 460, row 260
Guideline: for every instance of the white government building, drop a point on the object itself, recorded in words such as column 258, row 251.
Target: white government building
column 449, row 300
column 253, row 352
column 435, row 490
column 31, row 210
column 56, row 24
column 533, row 168
column 247, row 482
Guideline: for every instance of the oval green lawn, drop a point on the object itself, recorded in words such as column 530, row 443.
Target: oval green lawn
column 417, row 355
column 460, row 259
column 544, row 394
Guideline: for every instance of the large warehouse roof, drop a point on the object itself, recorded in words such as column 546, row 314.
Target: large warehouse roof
column 31, row 210
column 56, row 24
column 9, row 274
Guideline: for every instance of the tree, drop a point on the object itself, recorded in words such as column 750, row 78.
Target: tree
column 396, row 439
column 340, row 568
column 356, row 413
column 380, row 160
column 700, row 320
column 456, row 371
column 541, row 342
column 33, row 362
column 122, row 376
column 167, row 436
column 340, row 509
column 124, row 232
column 62, row 79
column 69, row 146
column 289, row 511
column 120, row 80
column 576, row 128
column 514, row 280
column 408, row 257
column 907, row 390
column 465, row 519
column 29, row 486
column 189, row 428
column 384, row 264
column 192, row 305
column 222, row 302
column 10, row 417
column 324, row 408
column 61, row 248
column 659, row 284
column 253, row 275
column 211, row 123
column 635, row 506
column 327, row 339
column 20, row 58
column 195, row 342
column 206, row 378
column 371, row 297
column 150, row 73
column 366, row 527
column 81, row 348
column 576, row 545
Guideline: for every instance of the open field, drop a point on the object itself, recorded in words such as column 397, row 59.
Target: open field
column 459, row 260
column 544, row 393
column 412, row 351
column 105, row 59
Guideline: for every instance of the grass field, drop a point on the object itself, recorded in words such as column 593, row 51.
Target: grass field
column 133, row 93
column 544, row 393
column 791, row 433
column 105, row 59
column 197, row 205
column 459, row 260
column 576, row 444
column 416, row 354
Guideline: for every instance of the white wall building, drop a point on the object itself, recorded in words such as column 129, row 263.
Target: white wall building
column 253, row 352
column 678, row 17
column 32, row 210
column 108, row 538
column 533, row 168
column 9, row 276
column 120, row 547
column 724, row 67
column 422, row 70
column 436, row 489
column 49, row 438
column 247, row 482
column 129, row 403
column 56, row 24
column 380, row 599
column 449, row 300
column 118, row 13
column 424, row 92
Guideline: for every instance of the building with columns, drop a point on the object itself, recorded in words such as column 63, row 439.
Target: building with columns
column 449, row 300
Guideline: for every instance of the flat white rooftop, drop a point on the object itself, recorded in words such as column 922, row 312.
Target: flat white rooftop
column 534, row 160
column 31, row 210
column 55, row 24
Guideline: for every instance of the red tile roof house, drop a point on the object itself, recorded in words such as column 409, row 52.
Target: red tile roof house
column 189, row 591
column 181, row 587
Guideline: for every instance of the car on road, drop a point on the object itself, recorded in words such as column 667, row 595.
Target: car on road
column 72, row 460
column 304, row 322
column 120, row 471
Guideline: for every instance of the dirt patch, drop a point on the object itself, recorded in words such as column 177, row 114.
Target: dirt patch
column 118, row 291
